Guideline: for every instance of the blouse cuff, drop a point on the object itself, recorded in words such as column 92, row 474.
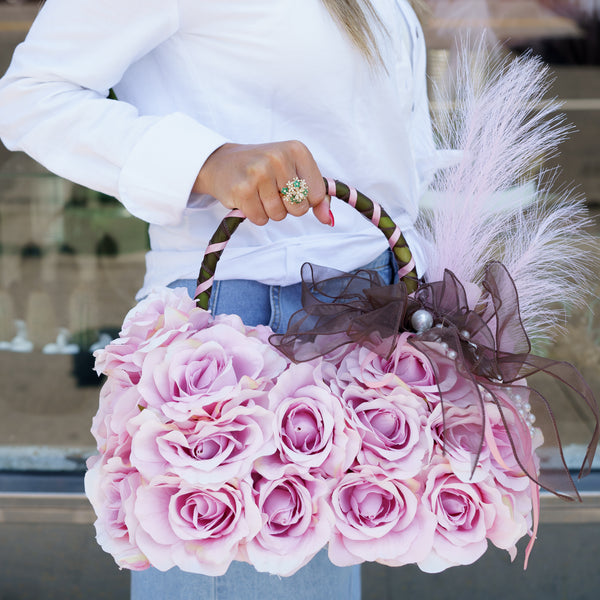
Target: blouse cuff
column 156, row 181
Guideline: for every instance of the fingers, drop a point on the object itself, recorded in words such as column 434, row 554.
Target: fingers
column 251, row 177
column 268, row 170
column 271, row 200
column 307, row 169
column 322, row 211
column 252, row 206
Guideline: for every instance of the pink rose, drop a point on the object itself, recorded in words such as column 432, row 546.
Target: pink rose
column 515, row 517
column 460, row 436
column 260, row 332
column 310, row 425
column 391, row 427
column 118, row 405
column 454, row 389
column 192, row 376
column 206, row 451
column 154, row 322
column 110, row 487
column 378, row 518
column 467, row 515
column 297, row 522
column 458, row 432
column 164, row 310
column 235, row 322
column 194, row 528
column 120, row 360
column 406, row 366
column 518, row 522
column 462, row 519
column 504, row 465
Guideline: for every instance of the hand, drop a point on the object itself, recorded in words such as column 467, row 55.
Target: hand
column 249, row 177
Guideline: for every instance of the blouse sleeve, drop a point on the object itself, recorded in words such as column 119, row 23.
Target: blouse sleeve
column 426, row 155
column 54, row 106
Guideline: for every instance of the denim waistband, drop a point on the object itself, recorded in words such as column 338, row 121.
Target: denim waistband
column 273, row 305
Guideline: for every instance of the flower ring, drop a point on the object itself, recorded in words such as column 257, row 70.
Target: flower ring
column 294, row 191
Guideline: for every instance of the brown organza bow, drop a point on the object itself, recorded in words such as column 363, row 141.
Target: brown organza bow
column 484, row 347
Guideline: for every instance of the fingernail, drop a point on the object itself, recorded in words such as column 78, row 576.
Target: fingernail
column 331, row 219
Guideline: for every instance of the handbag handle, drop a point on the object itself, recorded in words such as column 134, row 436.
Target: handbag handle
column 365, row 206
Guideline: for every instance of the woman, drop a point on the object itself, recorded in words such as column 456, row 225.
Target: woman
column 213, row 97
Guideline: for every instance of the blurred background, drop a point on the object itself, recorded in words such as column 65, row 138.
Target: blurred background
column 71, row 261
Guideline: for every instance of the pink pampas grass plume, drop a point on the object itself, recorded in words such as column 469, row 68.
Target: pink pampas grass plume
column 495, row 114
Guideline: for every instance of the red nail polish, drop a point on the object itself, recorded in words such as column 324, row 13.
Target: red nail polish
column 331, row 219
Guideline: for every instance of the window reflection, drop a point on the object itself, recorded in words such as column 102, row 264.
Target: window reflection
column 71, row 261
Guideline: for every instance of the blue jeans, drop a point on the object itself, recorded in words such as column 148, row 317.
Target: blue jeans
column 257, row 303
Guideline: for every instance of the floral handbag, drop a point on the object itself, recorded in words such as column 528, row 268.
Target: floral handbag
column 390, row 423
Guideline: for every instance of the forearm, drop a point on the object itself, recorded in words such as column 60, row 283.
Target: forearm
column 53, row 106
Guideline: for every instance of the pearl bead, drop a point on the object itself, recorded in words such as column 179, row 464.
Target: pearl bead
column 421, row 320
column 465, row 334
column 451, row 354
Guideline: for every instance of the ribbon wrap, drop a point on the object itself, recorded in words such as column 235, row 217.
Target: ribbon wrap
column 477, row 347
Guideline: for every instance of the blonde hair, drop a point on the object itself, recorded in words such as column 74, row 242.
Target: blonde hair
column 356, row 18
column 353, row 17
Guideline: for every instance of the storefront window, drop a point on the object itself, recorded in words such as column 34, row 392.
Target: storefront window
column 71, row 261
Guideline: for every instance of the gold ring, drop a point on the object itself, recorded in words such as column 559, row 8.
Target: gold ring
column 294, row 191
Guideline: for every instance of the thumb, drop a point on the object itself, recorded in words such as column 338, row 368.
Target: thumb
column 323, row 212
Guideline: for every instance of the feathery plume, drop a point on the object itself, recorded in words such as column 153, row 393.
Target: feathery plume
column 497, row 201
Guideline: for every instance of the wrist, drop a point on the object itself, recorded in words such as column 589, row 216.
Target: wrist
column 206, row 176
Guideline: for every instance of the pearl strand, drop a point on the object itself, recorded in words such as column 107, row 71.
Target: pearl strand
column 523, row 408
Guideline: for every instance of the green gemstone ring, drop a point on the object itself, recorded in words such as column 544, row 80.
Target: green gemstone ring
column 295, row 191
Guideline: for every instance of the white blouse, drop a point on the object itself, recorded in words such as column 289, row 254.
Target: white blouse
column 191, row 75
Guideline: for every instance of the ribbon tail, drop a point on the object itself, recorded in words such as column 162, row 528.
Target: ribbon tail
column 517, row 429
column 535, row 509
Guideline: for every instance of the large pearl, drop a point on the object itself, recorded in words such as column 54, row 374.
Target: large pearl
column 421, row 320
